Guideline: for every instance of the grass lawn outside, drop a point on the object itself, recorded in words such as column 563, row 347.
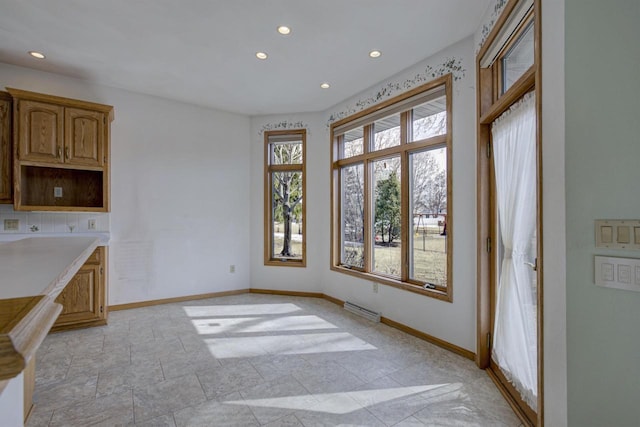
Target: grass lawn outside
column 429, row 261
column 429, row 256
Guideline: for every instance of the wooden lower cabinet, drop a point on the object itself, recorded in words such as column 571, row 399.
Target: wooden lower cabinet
column 84, row 298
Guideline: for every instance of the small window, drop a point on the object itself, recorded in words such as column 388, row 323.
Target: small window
column 386, row 132
column 286, row 153
column 352, row 143
column 519, row 58
column 284, row 202
column 429, row 119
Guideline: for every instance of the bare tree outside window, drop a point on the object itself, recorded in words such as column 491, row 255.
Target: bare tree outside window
column 392, row 197
column 285, row 176
column 353, row 216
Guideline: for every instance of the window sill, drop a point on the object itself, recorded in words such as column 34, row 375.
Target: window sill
column 405, row 286
column 276, row 262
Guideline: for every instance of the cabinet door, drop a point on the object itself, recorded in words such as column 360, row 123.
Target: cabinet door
column 6, row 155
column 81, row 299
column 84, row 137
column 40, row 131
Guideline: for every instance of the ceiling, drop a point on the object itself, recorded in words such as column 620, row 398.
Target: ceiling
column 203, row 51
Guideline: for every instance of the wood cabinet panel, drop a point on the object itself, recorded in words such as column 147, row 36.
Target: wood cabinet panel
column 6, row 152
column 96, row 257
column 83, row 300
column 40, row 131
column 79, row 297
column 84, row 137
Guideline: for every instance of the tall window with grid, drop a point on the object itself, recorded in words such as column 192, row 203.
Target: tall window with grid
column 391, row 192
column 284, row 198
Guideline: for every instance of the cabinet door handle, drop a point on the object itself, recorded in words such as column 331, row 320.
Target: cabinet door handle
column 59, row 151
column 66, row 152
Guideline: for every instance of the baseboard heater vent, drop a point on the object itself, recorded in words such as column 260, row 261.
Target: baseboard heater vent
column 361, row 311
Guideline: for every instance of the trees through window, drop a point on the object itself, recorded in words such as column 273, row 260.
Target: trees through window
column 391, row 202
column 284, row 197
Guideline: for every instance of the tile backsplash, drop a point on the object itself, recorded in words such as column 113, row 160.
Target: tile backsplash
column 53, row 222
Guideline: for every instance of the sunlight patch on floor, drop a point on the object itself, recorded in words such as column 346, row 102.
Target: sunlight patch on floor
column 337, row 403
column 259, row 324
column 223, row 348
column 240, row 310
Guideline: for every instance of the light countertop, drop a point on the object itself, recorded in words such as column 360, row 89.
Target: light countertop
column 33, row 272
column 103, row 236
column 38, row 265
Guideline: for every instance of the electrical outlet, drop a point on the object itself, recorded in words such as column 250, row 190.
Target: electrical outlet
column 11, row 224
column 232, row 268
column 91, row 224
column 57, row 191
column 375, row 287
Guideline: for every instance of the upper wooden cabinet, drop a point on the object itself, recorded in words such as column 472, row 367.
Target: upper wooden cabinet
column 84, row 136
column 55, row 133
column 40, row 131
column 6, row 193
column 61, row 153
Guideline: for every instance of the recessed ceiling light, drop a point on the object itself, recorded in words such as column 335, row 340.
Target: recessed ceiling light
column 325, row 85
column 375, row 53
column 37, row 54
column 284, row 30
column 261, row 55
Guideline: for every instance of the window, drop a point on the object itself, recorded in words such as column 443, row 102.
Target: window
column 391, row 204
column 518, row 58
column 284, row 240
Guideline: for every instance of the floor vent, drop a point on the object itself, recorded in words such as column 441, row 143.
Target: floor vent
column 361, row 311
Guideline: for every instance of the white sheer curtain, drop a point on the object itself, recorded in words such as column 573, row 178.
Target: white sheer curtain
column 515, row 329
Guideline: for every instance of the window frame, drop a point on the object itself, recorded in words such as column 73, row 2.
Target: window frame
column 492, row 101
column 269, row 170
column 367, row 118
column 498, row 65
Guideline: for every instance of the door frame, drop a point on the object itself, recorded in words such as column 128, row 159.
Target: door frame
column 490, row 105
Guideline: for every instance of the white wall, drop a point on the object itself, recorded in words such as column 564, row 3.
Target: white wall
column 602, row 149
column 316, row 199
column 553, row 214
column 179, row 186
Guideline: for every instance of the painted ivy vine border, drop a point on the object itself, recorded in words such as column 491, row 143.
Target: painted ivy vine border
column 284, row 125
column 451, row 65
column 498, row 7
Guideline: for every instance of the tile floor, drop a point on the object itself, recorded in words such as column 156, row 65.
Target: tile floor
column 252, row 360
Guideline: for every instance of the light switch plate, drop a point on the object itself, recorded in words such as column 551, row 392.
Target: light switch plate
column 618, row 234
column 617, row 273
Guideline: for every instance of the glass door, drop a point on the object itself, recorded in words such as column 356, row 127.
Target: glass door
column 514, row 350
